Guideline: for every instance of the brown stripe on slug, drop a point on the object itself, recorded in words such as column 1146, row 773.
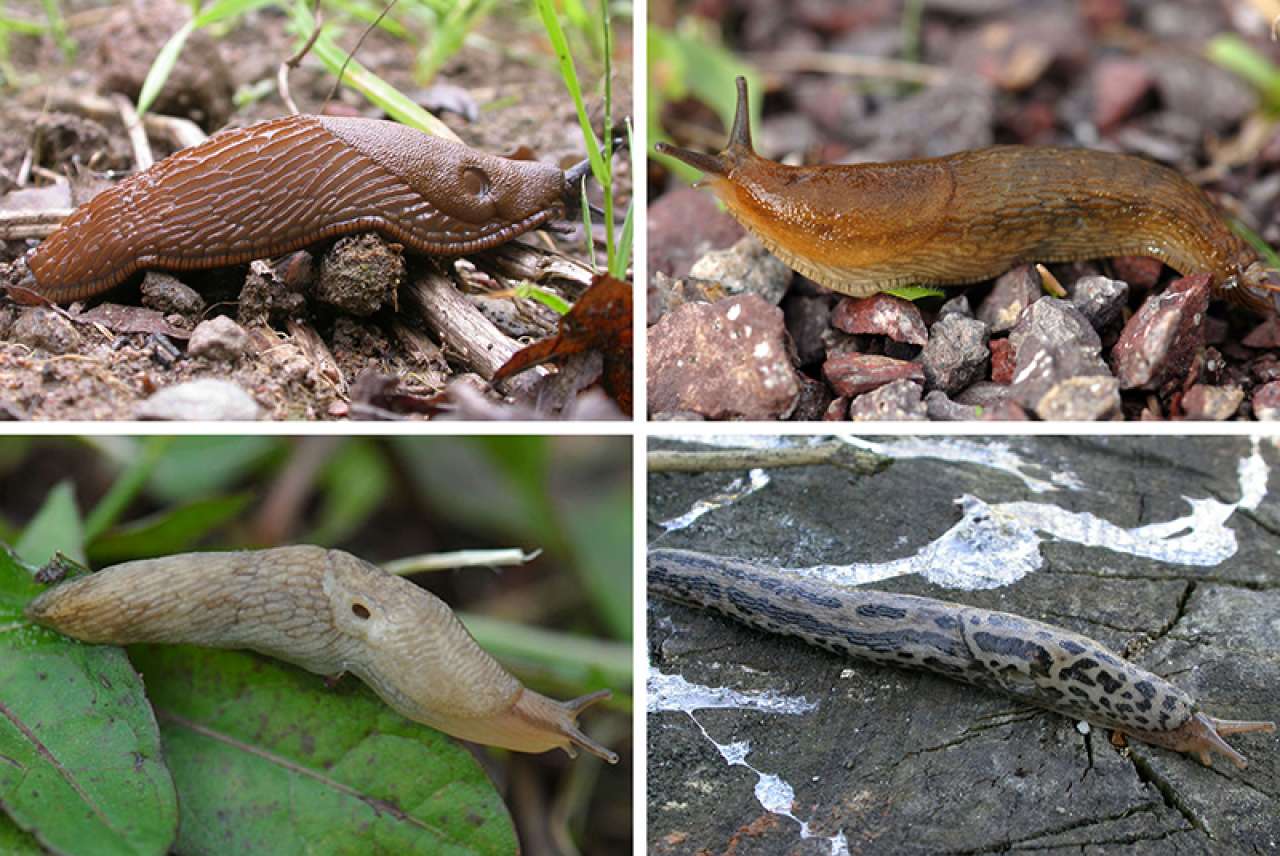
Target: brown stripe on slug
column 971, row 216
column 328, row 612
column 284, row 184
column 1032, row 661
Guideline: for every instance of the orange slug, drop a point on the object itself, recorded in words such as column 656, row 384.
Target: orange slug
column 283, row 184
column 863, row 228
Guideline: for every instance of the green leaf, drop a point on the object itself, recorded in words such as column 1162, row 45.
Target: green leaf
column 916, row 292
column 80, row 762
column 175, row 530
column 269, row 761
column 55, row 528
column 355, row 481
column 1239, row 57
column 194, row 467
column 595, row 529
column 549, row 299
column 16, row 842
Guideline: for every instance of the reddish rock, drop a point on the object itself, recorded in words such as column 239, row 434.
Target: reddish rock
column 838, row 410
column 1211, row 403
column 723, row 360
column 1004, row 411
column 1013, row 292
column 854, row 374
column 897, row 402
column 881, row 315
column 811, row 404
column 1002, row 361
column 1160, row 342
column 1138, row 271
column 683, row 225
column 1266, row 402
column 1266, row 335
column 1119, row 85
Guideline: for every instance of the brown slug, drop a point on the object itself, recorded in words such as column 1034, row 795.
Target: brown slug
column 967, row 217
column 1029, row 660
column 283, row 184
column 328, row 612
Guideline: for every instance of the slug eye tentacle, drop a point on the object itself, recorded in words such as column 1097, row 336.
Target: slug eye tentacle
column 740, row 135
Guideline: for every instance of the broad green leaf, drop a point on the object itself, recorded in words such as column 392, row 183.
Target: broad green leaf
column 267, row 760
column 176, row 529
column 595, row 530
column 55, row 528
column 81, row 767
column 14, row 841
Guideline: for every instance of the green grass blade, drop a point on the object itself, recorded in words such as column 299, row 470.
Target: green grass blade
column 162, row 67
column 126, row 488
column 397, row 105
column 552, row 301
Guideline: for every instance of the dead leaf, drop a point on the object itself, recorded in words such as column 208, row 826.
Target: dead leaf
column 599, row 321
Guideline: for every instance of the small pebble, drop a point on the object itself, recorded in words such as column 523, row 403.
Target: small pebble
column 45, row 330
column 206, row 399
column 219, row 339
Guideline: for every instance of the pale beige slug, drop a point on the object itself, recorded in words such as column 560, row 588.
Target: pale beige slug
column 328, row 612
column 1032, row 661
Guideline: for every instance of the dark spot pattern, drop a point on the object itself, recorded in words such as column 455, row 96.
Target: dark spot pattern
column 1038, row 660
column 1110, row 683
column 1071, row 647
column 1079, row 672
column 877, row 610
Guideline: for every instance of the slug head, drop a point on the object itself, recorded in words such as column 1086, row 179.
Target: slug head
column 1256, row 287
column 476, row 195
column 411, row 650
column 739, row 149
column 1202, row 736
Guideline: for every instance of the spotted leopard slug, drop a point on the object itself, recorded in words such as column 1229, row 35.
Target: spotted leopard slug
column 280, row 185
column 864, row 228
column 328, row 612
column 1031, row 661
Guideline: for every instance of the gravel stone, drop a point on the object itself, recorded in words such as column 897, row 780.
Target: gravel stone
column 218, row 339
column 206, row 399
column 956, row 354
